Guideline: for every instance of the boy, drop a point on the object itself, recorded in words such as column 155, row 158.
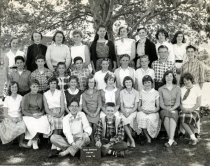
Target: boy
column 41, row 74
column 76, row 129
column 21, row 76
column 109, row 133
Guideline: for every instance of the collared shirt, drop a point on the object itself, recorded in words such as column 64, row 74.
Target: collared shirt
column 124, row 46
column 129, row 98
column 75, row 126
column 58, row 53
column 161, row 67
column 22, row 79
column 170, row 97
column 82, row 75
column 195, row 68
column 112, row 133
column 53, row 100
column 42, row 78
column 140, row 73
column 171, row 56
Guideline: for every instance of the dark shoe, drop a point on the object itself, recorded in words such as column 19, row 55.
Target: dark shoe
column 53, row 153
column 174, row 143
column 119, row 154
column 167, row 145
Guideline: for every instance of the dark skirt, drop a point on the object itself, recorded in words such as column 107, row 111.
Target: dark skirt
column 165, row 113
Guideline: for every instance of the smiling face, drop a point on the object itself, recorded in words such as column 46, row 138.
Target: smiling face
column 91, row 83
column 59, row 38
column 61, row 69
column 179, row 38
column 14, row 89
column 74, row 108
column 104, row 65
column 161, row 37
column 101, row 32
column 128, row 84
column 163, row 54
column 110, row 82
column 147, row 85
column 20, row 64
column 188, row 83
column 40, row 63
column 123, row 32
column 124, row 61
column 144, row 62
column 73, row 83
column 53, row 85
column 34, row 88
column 14, row 43
column 169, row 78
column 77, row 38
column 37, row 38
column 79, row 64
column 190, row 53
column 142, row 34
column 110, row 112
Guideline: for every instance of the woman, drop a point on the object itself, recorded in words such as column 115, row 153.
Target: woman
column 9, row 61
column 124, row 70
column 91, row 104
column 62, row 76
column 110, row 94
column 125, row 45
column 58, row 52
column 34, row 50
column 162, row 37
column 170, row 96
column 129, row 99
column 72, row 93
column 81, row 72
column 148, row 116
column 179, row 47
column 190, row 103
column 100, row 75
column 12, row 126
column 80, row 49
column 145, row 47
column 100, row 48
column 34, row 118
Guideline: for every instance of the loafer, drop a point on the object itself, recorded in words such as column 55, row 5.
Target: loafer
column 53, row 153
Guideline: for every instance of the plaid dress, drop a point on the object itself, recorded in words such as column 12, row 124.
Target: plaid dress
column 10, row 128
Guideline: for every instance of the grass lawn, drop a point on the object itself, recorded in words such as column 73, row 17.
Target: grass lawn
column 154, row 154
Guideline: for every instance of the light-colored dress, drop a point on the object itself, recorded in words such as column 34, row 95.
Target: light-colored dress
column 33, row 103
column 9, row 129
column 54, row 105
column 150, row 121
column 129, row 99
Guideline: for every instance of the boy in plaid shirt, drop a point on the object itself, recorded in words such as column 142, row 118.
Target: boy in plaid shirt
column 109, row 133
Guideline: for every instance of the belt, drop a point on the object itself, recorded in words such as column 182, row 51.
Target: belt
column 178, row 61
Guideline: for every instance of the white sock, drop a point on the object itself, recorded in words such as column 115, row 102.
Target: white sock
column 192, row 137
column 58, row 148
column 171, row 141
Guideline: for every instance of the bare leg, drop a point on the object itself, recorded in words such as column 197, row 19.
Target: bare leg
column 147, row 135
column 172, row 128
column 128, row 132
column 167, row 126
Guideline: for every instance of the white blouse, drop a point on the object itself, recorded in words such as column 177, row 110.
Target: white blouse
column 53, row 100
column 124, row 46
column 11, row 56
column 78, row 51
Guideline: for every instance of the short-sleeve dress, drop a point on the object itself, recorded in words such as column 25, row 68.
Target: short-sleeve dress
column 150, row 121
column 9, row 129
column 129, row 99
column 54, row 105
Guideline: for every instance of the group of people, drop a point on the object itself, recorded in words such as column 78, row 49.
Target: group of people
column 103, row 94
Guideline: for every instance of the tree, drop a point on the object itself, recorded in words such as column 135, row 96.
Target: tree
column 24, row 16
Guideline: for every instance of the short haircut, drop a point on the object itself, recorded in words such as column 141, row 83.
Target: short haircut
column 19, row 58
column 147, row 78
column 77, row 59
column 108, row 76
column 124, row 55
column 174, row 40
column 161, row 47
column 121, row 29
column 40, row 56
column 144, row 56
column 161, row 31
column 73, row 100
column 105, row 59
column 127, row 78
column 191, row 46
column 89, row 78
column 110, row 104
column 10, row 85
column 187, row 76
column 53, row 79
column 34, row 81
column 73, row 77
column 138, row 29
column 77, row 32
column 32, row 35
column 61, row 64
column 64, row 39
column 174, row 81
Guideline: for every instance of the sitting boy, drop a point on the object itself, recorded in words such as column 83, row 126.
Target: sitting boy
column 76, row 129
column 109, row 133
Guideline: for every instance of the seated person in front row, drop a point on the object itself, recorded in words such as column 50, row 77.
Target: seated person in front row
column 109, row 133
column 76, row 129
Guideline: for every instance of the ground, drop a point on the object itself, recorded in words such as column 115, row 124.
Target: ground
column 154, row 154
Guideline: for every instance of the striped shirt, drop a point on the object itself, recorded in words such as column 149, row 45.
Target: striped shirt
column 196, row 68
column 161, row 67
